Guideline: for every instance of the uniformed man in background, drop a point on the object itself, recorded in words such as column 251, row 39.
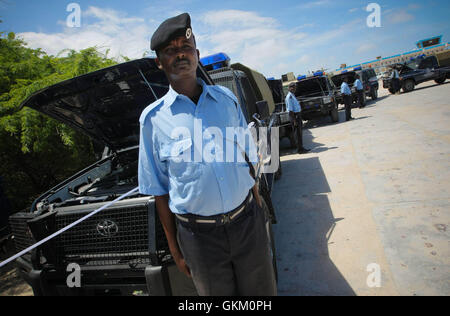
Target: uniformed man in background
column 210, row 211
column 347, row 95
column 295, row 114
column 360, row 91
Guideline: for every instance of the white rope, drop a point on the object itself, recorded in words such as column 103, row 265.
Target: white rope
column 66, row 228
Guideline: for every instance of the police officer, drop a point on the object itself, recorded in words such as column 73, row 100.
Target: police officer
column 347, row 95
column 360, row 92
column 395, row 81
column 295, row 114
column 210, row 211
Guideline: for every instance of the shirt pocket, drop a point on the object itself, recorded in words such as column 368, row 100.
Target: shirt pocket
column 179, row 158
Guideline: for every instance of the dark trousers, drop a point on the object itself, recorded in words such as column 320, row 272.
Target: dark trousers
column 395, row 84
column 361, row 98
column 299, row 129
column 230, row 259
column 348, row 106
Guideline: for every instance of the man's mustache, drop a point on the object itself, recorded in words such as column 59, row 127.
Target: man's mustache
column 180, row 61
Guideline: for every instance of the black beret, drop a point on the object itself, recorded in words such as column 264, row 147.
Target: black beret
column 171, row 28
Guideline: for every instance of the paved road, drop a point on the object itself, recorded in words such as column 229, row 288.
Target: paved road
column 372, row 191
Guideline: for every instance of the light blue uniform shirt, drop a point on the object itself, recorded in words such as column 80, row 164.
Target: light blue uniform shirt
column 345, row 89
column 358, row 85
column 292, row 104
column 174, row 163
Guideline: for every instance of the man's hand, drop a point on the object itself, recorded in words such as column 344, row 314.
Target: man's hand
column 168, row 223
column 181, row 264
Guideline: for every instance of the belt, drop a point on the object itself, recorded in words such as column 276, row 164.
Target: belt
column 220, row 219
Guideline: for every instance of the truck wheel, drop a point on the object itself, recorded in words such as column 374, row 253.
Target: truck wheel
column 440, row 80
column 408, row 86
column 374, row 94
column 391, row 91
column 271, row 238
column 334, row 114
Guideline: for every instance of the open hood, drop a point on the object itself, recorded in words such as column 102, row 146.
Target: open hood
column 106, row 104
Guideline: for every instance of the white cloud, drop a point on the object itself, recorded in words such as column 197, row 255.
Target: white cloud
column 313, row 4
column 401, row 16
column 258, row 41
column 367, row 47
column 122, row 35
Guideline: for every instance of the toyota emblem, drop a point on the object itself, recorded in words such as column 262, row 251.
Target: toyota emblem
column 107, row 228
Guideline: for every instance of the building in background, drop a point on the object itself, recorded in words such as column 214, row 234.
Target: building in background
column 427, row 46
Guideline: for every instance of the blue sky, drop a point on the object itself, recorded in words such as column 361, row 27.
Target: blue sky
column 273, row 37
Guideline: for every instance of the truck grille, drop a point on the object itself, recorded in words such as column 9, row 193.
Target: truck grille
column 115, row 236
column 19, row 228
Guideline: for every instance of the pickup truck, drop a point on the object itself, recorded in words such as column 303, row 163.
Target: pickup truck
column 419, row 70
column 316, row 95
column 121, row 250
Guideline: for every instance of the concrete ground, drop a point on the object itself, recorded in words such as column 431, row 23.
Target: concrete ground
column 373, row 193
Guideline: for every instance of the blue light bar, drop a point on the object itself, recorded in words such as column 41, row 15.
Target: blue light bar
column 271, row 78
column 217, row 61
column 301, row 77
column 344, row 71
column 357, row 68
column 319, row 73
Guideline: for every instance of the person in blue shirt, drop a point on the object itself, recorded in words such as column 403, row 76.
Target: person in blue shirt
column 347, row 95
column 359, row 91
column 210, row 209
column 295, row 114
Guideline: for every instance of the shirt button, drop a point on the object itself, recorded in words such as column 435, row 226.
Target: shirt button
column 221, row 178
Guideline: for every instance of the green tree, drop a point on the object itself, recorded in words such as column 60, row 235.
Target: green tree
column 37, row 152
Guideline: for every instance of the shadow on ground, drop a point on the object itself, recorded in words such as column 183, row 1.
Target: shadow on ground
column 302, row 234
column 305, row 225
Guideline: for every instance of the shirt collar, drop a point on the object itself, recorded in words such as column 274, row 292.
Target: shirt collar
column 172, row 95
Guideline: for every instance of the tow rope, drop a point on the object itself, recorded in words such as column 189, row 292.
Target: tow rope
column 67, row 228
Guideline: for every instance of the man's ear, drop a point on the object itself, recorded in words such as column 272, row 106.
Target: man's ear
column 158, row 63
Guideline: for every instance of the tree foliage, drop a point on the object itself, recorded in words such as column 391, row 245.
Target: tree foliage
column 37, row 152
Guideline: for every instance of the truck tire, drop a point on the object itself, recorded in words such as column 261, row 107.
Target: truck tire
column 270, row 237
column 334, row 114
column 364, row 103
column 374, row 94
column 441, row 80
column 408, row 85
column 391, row 91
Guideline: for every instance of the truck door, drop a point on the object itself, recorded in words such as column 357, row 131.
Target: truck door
column 427, row 66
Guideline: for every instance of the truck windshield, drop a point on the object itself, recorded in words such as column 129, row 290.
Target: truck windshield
column 311, row 87
column 413, row 64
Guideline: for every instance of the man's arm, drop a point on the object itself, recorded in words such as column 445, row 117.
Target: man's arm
column 168, row 222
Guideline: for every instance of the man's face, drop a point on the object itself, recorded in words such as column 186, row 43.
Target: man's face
column 292, row 89
column 179, row 59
